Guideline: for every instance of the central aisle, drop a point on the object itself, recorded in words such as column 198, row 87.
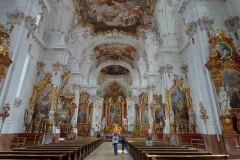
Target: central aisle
column 105, row 152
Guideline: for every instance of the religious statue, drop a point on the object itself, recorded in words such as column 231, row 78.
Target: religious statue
column 224, row 101
column 125, row 123
column 191, row 115
column 178, row 129
column 119, row 98
column 103, row 123
column 51, row 116
column 171, row 117
column 91, row 132
column 151, row 122
column 28, row 118
column 190, row 128
column 110, row 100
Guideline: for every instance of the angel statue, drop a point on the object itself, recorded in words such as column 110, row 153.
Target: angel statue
column 171, row 117
column 103, row 123
column 125, row 123
column 191, row 115
column 224, row 101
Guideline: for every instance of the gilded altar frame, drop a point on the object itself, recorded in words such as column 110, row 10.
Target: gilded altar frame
column 83, row 128
column 114, row 96
column 157, row 104
column 178, row 83
column 143, row 104
column 218, row 64
column 45, row 82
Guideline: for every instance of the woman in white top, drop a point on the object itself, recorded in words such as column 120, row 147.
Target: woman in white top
column 115, row 143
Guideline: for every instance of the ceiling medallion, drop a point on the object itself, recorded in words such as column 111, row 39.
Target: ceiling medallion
column 127, row 16
column 114, row 50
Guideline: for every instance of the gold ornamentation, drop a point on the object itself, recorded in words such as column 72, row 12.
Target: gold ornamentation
column 203, row 113
column 46, row 82
column 30, row 24
column 149, row 10
column 143, row 98
column 191, row 30
column 5, row 61
column 65, row 77
column 178, row 83
column 114, row 93
column 84, row 97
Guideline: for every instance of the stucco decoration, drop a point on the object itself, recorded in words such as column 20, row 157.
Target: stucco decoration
column 191, row 30
column 206, row 24
column 15, row 17
column 233, row 25
column 30, row 24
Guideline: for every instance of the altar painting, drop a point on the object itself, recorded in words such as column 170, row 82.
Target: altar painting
column 115, row 70
column 159, row 115
column 144, row 115
column 179, row 103
column 82, row 115
column 115, row 115
column 43, row 101
column 231, row 82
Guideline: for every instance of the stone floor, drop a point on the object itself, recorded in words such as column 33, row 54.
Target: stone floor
column 105, row 152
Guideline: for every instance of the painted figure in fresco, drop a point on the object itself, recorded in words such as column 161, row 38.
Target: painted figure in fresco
column 82, row 115
column 43, row 102
column 114, row 115
column 224, row 101
column 158, row 115
column 144, row 116
column 192, row 116
column 171, row 117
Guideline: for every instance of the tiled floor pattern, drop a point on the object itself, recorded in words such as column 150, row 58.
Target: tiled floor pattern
column 105, row 152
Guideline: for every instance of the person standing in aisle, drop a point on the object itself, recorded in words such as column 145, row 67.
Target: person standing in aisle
column 115, row 144
column 123, row 143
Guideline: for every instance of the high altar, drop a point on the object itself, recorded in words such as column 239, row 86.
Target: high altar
column 114, row 110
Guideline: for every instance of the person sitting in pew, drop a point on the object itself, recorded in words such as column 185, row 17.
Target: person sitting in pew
column 149, row 142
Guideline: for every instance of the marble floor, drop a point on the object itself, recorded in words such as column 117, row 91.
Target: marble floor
column 105, row 152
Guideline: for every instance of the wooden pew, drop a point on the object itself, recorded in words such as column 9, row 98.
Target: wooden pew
column 73, row 151
column 30, row 156
column 66, row 155
column 186, row 157
column 78, row 149
column 144, row 153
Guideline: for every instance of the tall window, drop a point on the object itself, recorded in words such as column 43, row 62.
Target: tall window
column 38, row 19
column 24, row 71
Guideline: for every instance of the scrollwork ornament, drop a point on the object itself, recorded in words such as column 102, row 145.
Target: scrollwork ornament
column 233, row 25
column 184, row 69
column 40, row 67
column 56, row 67
column 161, row 70
column 203, row 113
column 30, row 24
column 191, row 30
column 168, row 69
column 206, row 24
column 15, row 18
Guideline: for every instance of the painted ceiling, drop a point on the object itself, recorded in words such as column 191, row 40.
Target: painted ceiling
column 127, row 16
column 114, row 70
column 114, row 50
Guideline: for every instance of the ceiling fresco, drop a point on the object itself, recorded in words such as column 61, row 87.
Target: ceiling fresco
column 127, row 16
column 114, row 50
column 115, row 70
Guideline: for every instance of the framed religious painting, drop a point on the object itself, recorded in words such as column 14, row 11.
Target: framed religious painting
column 115, row 114
column 144, row 116
column 82, row 114
column 178, row 100
column 44, row 97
